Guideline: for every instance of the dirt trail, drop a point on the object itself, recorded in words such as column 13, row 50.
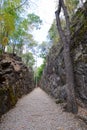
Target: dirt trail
column 37, row 111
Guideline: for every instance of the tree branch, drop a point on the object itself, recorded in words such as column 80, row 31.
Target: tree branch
column 67, row 19
column 59, row 7
column 21, row 5
column 59, row 27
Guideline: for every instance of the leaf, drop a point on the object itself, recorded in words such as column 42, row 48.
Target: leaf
column 9, row 22
column 5, row 41
column 1, row 18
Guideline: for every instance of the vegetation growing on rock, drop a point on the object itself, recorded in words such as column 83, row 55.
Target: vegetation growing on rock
column 54, row 76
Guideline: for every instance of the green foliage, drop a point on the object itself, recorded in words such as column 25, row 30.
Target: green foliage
column 14, row 28
column 79, row 26
column 71, row 5
column 9, row 49
column 6, row 27
column 22, row 34
column 43, row 49
column 34, row 20
column 28, row 59
column 7, row 21
column 39, row 71
column 0, row 51
column 53, row 33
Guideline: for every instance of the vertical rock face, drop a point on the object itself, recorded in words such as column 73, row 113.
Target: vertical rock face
column 54, row 77
column 79, row 51
column 15, row 80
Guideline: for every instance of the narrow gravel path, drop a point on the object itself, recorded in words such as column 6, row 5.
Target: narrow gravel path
column 37, row 111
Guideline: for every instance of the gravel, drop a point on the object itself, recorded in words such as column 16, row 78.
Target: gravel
column 38, row 111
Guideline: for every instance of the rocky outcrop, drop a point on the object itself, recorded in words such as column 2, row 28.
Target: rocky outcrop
column 15, row 80
column 54, row 76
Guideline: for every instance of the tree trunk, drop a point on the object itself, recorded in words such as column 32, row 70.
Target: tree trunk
column 65, row 38
column 13, row 48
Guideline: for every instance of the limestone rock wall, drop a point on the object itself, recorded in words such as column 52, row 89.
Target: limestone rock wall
column 54, row 78
column 15, row 80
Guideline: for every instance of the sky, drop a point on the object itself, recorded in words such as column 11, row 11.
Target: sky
column 45, row 9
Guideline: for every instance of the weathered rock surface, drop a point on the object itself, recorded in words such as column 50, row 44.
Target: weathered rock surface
column 54, row 77
column 15, row 80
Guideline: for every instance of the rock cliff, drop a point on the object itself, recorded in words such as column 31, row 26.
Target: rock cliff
column 54, row 77
column 15, row 80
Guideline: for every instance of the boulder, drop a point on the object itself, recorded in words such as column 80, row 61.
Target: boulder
column 15, row 80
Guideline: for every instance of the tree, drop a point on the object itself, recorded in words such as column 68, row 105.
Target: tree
column 7, row 19
column 39, row 71
column 43, row 49
column 28, row 59
column 53, row 33
column 71, row 6
column 8, row 15
column 65, row 38
column 34, row 20
column 23, row 31
column 14, row 28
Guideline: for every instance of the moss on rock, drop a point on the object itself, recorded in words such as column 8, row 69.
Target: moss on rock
column 12, row 96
